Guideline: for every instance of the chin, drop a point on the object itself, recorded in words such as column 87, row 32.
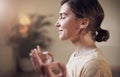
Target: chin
column 63, row 38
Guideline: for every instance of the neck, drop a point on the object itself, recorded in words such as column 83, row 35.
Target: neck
column 84, row 42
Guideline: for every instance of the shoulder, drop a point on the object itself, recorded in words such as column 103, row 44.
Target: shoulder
column 96, row 68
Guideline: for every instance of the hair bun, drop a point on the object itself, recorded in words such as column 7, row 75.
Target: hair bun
column 103, row 35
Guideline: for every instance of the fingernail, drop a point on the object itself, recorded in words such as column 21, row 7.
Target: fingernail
column 35, row 50
column 30, row 54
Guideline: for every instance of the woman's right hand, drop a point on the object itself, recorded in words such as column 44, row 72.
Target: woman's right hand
column 39, row 58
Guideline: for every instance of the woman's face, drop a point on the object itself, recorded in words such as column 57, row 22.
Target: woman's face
column 67, row 24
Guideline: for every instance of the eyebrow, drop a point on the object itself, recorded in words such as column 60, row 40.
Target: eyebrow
column 63, row 13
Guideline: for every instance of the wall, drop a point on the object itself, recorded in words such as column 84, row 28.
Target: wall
column 111, row 22
column 7, row 15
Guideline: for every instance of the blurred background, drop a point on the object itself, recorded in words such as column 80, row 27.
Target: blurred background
column 27, row 23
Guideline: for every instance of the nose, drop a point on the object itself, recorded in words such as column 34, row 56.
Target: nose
column 57, row 24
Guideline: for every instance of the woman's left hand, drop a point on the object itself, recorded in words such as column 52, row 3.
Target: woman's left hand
column 55, row 69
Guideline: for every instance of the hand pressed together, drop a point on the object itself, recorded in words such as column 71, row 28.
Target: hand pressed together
column 44, row 64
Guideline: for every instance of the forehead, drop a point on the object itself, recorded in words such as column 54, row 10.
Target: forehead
column 65, row 9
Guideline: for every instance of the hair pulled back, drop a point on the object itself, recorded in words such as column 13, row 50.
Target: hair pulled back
column 90, row 9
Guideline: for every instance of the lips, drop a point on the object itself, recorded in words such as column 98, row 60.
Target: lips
column 60, row 31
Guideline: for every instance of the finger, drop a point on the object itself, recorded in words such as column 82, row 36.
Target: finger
column 42, row 56
column 48, row 57
column 36, row 62
column 57, row 69
column 39, row 51
column 51, row 56
column 30, row 54
column 38, row 48
column 63, row 69
column 52, row 70
column 48, row 71
column 33, row 60
column 33, row 63
column 37, row 57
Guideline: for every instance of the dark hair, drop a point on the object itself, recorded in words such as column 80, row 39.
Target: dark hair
column 90, row 9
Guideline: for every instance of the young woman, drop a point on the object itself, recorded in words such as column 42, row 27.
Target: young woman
column 79, row 22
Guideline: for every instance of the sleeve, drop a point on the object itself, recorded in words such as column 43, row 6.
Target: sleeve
column 92, row 69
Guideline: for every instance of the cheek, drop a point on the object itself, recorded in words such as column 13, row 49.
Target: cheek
column 68, row 23
column 70, row 29
column 71, row 26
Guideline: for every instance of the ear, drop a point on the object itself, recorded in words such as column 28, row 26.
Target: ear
column 84, row 23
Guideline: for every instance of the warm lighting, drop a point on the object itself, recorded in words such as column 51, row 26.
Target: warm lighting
column 24, row 20
column 24, row 31
column 3, row 10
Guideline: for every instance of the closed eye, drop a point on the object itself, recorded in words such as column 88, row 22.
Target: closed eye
column 63, row 15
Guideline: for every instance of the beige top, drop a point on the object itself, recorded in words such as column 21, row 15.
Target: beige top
column 90, row 64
